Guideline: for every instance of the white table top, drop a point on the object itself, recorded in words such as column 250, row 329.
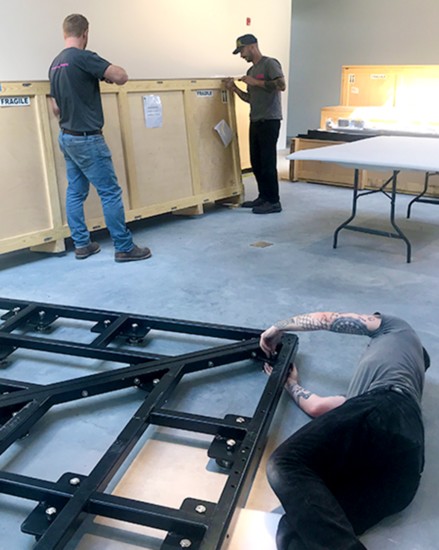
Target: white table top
column 379, row 153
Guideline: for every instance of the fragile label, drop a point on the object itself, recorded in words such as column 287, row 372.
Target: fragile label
column 14, row 101
column 204, row 93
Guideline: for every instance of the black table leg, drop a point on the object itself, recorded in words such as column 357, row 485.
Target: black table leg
column 353, row 212
column 419, row 198
column 392, row 196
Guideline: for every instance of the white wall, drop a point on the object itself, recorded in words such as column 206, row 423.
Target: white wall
column 327, row 34
column 150, row 38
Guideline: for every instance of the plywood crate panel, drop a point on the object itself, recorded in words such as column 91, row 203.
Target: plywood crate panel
column 162, row 168
column 217, row 163
column 415, row 87
column 24, row 206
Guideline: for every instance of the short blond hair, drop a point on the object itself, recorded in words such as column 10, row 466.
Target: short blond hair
column 75, row 25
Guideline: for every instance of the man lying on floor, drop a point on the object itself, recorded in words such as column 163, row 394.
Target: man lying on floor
column 361, row 459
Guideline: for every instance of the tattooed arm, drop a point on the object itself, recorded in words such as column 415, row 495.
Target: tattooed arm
column 312, row 404
column 347, row 323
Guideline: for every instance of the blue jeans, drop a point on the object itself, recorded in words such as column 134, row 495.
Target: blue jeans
column 343, row 472
column 88, row 160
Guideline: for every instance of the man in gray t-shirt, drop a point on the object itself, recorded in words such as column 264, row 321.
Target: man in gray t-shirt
column 362, row 457
column 265, row 82
column 74, row 77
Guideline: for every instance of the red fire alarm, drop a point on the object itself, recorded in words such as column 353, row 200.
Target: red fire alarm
column 248, row 21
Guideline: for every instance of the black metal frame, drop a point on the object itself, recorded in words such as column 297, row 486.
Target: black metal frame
column 419, row 198
column 237, row 445
column 391, row 196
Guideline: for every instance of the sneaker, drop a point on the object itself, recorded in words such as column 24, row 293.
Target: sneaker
column 252, row 204
column 85, row 251
column 136, row 253
column 267, row 208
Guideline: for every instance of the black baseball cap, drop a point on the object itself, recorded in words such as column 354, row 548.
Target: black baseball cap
column 244, row 40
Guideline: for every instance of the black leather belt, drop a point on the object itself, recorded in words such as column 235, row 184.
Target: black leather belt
column 87, row 133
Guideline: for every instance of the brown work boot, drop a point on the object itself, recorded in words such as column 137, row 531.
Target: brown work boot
column 85, row 251
column 136, row 253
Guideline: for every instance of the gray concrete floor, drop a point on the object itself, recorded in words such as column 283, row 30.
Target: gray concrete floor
column 207, row 269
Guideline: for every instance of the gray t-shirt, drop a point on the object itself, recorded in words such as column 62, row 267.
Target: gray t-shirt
column 264, row 104
column 74, row 83
column 394, row 356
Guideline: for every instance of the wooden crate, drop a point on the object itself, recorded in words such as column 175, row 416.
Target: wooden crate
column 409, row 182
column 319, row 172
column 177, row 167
column 385, row 96
column 412, row 87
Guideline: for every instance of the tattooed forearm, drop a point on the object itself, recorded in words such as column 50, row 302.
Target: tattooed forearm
column 348, row 323
column 243, row 95
column 276, row 84
column 302, row 322
column 296, row 391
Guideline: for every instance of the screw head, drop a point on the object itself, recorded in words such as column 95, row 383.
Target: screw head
column 84, row 393
column 240, row 420
column 201, row 509
column 185, row 543
column 210, row 364
column 156, row 381
column 107, row 322
column 75, row 481
column 230, row 443
column 136, row 381
column 134, row 326
column 51, row 512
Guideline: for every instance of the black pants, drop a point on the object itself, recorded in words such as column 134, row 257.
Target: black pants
column 346, row 470
column 263, row 157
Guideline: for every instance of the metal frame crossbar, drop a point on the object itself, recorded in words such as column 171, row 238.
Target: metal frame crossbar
column 237, row 440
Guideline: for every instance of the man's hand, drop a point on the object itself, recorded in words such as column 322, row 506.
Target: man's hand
column 269, row 340
column 55, row 109
column 251, row 81
column 230, row 83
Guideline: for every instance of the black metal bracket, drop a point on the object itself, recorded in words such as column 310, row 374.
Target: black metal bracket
column 124, row 339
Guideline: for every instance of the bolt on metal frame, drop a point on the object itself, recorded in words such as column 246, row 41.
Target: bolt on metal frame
column 237, row 440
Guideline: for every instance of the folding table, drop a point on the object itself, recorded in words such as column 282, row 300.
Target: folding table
column 393, row 153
